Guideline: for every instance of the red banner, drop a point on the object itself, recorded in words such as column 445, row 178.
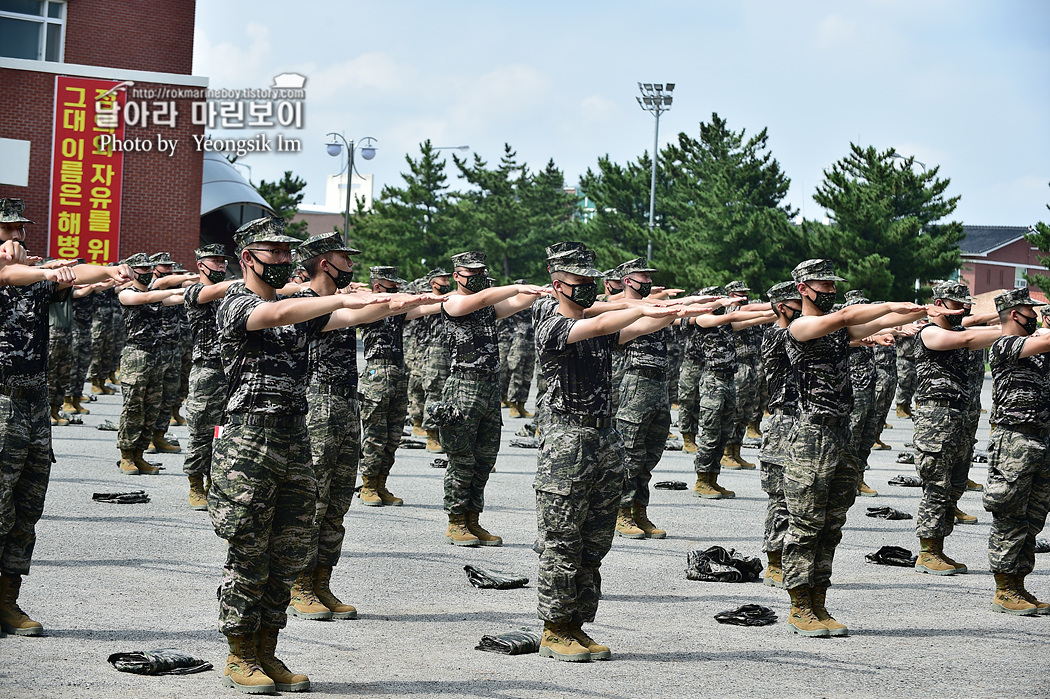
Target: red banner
column 86, row 171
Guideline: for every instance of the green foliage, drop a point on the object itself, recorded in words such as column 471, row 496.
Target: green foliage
column 284, row 197
column 1040, row 238
column 888, row 230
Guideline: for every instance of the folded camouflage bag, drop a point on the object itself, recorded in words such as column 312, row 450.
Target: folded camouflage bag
column 892, row 556
column 1042, row 545
column 525, row 443
column 717, row 564
column 491, row 579
column 108, row 426
column 887, row 513
column 443, row 413
column 670, row 485
column 672, row 445
column 527, row 430
column 166, row 661
column 980, row 457
column 439, row 463
column 747, row 615
column 135, row 496
column 412, row 443
column 511, row 643
column 74, row 419
column 905, row 481
column 905, row 457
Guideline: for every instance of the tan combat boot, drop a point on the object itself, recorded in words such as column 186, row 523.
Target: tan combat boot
column 729, row 460
column 774, row 576
column 904, row 410
column 625, row 525
column 68, row 407
column 754, row 430
column 726, row 493
column 704, row 489
column 56, row 419
column 127, row 462
column 284, row 679
column 1008, row 599
column 597, row 650
column 144, row 467
column 560, row 643
column 485, row 537
column 323, row 589
column 434, row 442
column 974, row 486
column 81, row 410
column 97, row 387
column 818, row 595
column 864, row 491
column 1041, row 607
column 369, row 496
column 641, row 518
column 457, row 533
column 385, row 495
column 930, row 560
column 198, row 497
column 12, row 618
column 689, row 442
column 959, row 567
column 304, row 603
column 512, row 410
column 176, row 416
column 963, row 518
column 522, row 410
column 744, row 463
column 242, row 668
column 801, row 619
column 880, row 445
column 417, row 427
column 162, row 446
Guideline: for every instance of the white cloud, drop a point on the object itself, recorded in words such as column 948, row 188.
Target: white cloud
column 376, row 71
column 229, row 64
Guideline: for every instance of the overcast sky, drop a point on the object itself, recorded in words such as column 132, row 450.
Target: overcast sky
column 960, row 84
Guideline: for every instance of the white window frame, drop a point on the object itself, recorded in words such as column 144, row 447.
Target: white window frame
column 45, row 21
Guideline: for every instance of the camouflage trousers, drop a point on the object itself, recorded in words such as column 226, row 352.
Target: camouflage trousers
column 334, row 424
column 745, row 382
column 944, row 450
column 579, row 478
column 1017, row 494
column 521, row 363
column 761, row 391
column 103, row 345
column 820, row 485
column 906, row 381
column 59, row 364
column 541, row 392
column 204, row 407
column 771, row 462
column 863, row 425
column 619, row 366
column 643, row 419
column 383, row 389
column 415, row 361
column 25, row 469
column 170, row 358
column 504, row 369
column 471, row 443
column 716, row 410
column 185, row 365
column 435, row 374
column 262, row 501
column 689, row 395
column 885, row 388
column 141, row 387
column 81, row 358
column 674, row 368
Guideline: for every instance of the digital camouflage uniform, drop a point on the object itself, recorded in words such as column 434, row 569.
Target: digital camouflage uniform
column 106, row 325
column 141, row 374
column 521, row 357
column 83, row 312
column 436, row 364
column 384, row 394
column 168, row 353
column 783, row 404
column 716, row 408
column 1018, row 489
column 644, row 413
column 185, row 355
column 60, row 360
column 689, row 379
column 675, row 348
column 746, row 378
column 905, row 370
column 863, row 422
column 415, row 362
column 885, row 381
column 505, row 333
column 207, row 383
column 541, row 308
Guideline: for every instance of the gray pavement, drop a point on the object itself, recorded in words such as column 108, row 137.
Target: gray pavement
column 109, row 578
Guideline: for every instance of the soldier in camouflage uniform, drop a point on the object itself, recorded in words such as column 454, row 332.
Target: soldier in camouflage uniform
column 105, row 327
column 520, row 362
column 84, row 301
column 905, row 376
column 820, row 473
column 185, row 353
column 863, row 422
column 786, row 302
column 748, row 344
column 206, row 398
column 60, row 356
column 414, row 341
column 26, row 457
column 1018, row 489
column 885, row 388
column 437, row 360
column 263, row 498
column 169, row 349
column 471, row 434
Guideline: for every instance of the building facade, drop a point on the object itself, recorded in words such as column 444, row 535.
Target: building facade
column 997, row 257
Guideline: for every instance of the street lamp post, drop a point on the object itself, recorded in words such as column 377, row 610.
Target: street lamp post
column 918, row 282
column 655, row 99
column 368, row 151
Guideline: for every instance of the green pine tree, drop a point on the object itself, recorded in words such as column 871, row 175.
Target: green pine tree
column 1040, row 238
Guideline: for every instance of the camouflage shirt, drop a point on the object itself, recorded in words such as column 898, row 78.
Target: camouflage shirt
column 24, row 334
column 1019, row 388
column 266, row 369
column 886, row 360
column 472, row 341
column 862, row 369
column 384, row 339
column 432, row 330
column 716, row 348
column 906, row 348
column 579, row 375
column 821, row 371
column 141, row 323
column 781, row 383
column 942, row 375
column 748, row 343
column 84, row 308
column 202, row 324
column 332, row 357
column 976, row 363
column 167, row 326
column 648, row 351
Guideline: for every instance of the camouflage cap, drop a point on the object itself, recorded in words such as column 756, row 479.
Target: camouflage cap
column 856, row 297
column 139, row 259
column 1016, row 297
column 214, row 250
column 815, row 271
column 387, row 273
column 610, row 276
column 579, row 262
column 177, row 267
column 784, row 291
column 11, row 211
column 268, row 229
column 474, row 259
column 1045, row 310
column 953, row 291
column 161, row 258
column 737, row 286
column 320, row 244
column 713, row 291
column 635, row 266
column 567, row 246
column 435, row 273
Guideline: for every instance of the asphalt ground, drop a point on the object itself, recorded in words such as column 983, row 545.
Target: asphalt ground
column 109, row 578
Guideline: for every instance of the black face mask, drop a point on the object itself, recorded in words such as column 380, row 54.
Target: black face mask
column 614, row 289
column 144, row 279
column 163, row 274
column 825, row 300
column 956, row 321
column 444, row 288
column 475, row 283
column 643, row 288
column 791, row 314
column 1030, row 324
column 214, row 275
column 275, row 275
column 342, row 278
column 583, row 295
column 720, row 311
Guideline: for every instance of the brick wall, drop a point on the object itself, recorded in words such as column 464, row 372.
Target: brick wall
column 154, row 35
